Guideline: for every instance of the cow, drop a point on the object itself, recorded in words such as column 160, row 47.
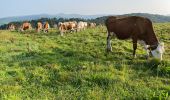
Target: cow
column 139, row 29
column 46, row 27
column 26, row 26
column 92, row 25
column 70, row 26
column 39, row 27
column 81, row 25
column 62, row 28
column 11, row 27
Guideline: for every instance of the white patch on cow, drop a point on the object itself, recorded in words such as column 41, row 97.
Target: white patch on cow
column 48, row 26
column 158, row 52
column 145, row 46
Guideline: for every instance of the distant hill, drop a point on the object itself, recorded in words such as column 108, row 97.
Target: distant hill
column 99, row 19
column 21, row 18
column 153, row 17
column 34, row 17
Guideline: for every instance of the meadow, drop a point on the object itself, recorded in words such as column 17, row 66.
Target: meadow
column 76, row 66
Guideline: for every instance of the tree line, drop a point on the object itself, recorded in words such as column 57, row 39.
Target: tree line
column 100, row 20
column 52, row 22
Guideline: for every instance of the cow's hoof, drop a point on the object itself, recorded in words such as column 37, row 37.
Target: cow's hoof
column 134, row 56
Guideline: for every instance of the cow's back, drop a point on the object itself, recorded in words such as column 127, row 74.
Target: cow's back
column 126, row 27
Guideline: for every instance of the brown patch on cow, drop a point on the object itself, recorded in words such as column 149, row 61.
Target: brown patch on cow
column 26, row 26
column 67, row 27
column 46, row 27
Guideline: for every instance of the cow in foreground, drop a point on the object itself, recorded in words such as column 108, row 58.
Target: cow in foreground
column 139, row 29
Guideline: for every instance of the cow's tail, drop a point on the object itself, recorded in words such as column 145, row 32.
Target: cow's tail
column 106, row 22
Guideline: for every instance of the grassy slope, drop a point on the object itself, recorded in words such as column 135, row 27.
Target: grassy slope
column 41, row 66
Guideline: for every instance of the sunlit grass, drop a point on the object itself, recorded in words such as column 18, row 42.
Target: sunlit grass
column 76, row 66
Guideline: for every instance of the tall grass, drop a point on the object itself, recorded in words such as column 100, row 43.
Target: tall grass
column 76, row 66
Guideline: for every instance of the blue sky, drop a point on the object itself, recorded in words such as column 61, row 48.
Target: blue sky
column 86, row 7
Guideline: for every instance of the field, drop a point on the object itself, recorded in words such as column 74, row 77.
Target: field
column 76, row 66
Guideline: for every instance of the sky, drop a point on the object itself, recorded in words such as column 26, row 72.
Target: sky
column 10, row 8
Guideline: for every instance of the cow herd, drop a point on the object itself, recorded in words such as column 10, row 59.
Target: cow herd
column 139, row 29
column 63, row 27
column 27, row 26
column 73, row 26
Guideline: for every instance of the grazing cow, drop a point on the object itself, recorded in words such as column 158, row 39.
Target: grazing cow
column 92, row 25
column 81, row 25
column 86, row 24
column 46, row 27
column 11, row 27
column 26, row 26
column 67, row 26
column 73, row 26
column 39, row 27
column 62, row 28
column 139, row 29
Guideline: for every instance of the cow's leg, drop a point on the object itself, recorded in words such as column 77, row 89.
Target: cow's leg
column 39, row 30
column 61, row 32
column 109, row 47
column 134, row 47
column 72, row 30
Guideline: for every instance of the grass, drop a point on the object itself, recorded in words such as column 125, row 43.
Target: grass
column 76, row 66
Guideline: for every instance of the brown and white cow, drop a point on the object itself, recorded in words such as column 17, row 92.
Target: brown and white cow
column 92, row 25
column 81, row 25
column 46, row 27
column 138, row 29
column 11, row 27
column 39, row 27
column 26, row 26
column 67, row 26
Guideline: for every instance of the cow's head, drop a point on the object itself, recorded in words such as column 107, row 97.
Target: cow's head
column 158, row 52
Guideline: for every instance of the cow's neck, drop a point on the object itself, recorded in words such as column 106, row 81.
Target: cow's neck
column 153, row 43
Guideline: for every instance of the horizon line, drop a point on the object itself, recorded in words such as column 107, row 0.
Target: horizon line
column 83, row 14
